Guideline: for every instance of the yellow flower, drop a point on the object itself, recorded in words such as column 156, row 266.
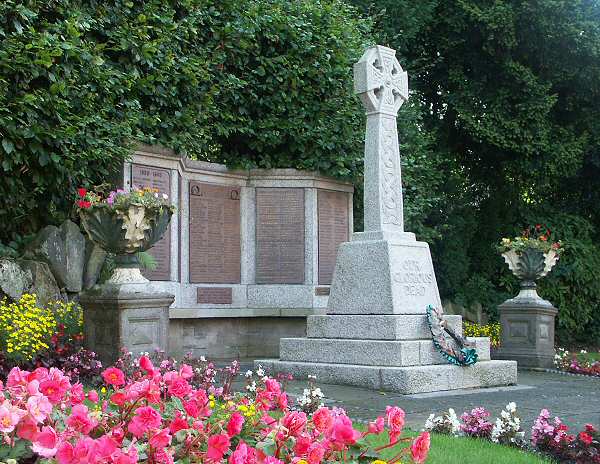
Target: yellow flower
column 378, row 461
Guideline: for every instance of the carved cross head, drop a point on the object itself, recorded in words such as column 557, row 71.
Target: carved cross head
column 380, row 81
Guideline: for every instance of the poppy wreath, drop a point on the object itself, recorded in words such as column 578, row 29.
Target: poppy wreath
column 454, row 348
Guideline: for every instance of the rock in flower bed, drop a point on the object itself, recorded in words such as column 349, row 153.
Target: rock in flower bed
column 159, row 414
column 550, row 437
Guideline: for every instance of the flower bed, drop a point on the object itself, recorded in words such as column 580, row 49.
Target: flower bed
column 163, row 415
column 491, row 330
column 577, row 363
column 550, row 437
column 49, row 336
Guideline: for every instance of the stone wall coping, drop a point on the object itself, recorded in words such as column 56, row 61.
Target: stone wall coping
column 252, row 177
column 211, row 313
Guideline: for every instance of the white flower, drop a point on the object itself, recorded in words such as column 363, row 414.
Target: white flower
column 260, row 371
column 248, row 374
column 165, row 196
column 202, row 358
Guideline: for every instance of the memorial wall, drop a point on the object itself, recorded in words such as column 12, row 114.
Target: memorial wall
column 248, row 254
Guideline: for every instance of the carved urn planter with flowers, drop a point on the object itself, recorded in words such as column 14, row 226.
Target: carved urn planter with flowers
column 127, row 312
column 125, row 223
column 528, row 320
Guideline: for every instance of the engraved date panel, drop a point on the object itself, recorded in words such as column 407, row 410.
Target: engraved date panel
column 145, row 176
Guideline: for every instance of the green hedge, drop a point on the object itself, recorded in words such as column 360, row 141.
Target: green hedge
column 264, row 83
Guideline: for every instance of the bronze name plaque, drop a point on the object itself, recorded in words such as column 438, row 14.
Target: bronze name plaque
column 322, row 291
column 215, row 253
column 214, row 295
column 333, row 230
column 145, row 176
column 279, row 235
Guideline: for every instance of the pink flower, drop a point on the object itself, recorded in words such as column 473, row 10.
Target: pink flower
column 80, row 421
column 186, row 371
column 46, row 442
column 113, row 376
column 161, row 439
column 235, row 424
column 147, row 365
column 218, row 445
column 38, row 407
column 586, row 438
column 395, row 421
column 420, row 448
column 342, row 432
column 162, row 456
column 179, row 387
column 302, row 444
column 272, row 386
column 283, row 401
column 104, row 447
column 146, row 418
column 53, row 390
column 243, row 454
column 27, row 429
column 9, row 416
column 271, row 460
column 77, row 394
column 178, row 423
column 377, row 426
column 315, row 454
column 92, row 395
column 294, row 422
column 322, row 419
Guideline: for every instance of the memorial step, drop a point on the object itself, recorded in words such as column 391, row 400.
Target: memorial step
column 396, row 353
column 375, row 327
column 404, row 380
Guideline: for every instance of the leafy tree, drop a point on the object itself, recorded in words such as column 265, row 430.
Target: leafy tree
column 510, row 94
column 262, row 83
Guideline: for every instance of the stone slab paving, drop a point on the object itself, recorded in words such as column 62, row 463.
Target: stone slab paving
column 575, row 399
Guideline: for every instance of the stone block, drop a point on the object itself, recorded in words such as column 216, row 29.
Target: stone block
column 43, row 283
column 119, row 317
column 363, row 352
column 280, row 296
column 527, row 333
column 375, row 327
column 404, row 380
column 383, row 277
column 94, row 260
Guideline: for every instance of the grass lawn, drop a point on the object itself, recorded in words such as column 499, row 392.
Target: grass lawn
column 452, row 450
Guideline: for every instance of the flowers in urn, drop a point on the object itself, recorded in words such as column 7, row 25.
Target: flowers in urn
column 531, row 255
column 124, row 223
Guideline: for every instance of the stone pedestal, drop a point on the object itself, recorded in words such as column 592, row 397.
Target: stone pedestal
column 130, row 316
column 527, row 330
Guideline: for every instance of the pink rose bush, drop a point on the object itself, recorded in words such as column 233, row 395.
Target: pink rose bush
column 159, row 414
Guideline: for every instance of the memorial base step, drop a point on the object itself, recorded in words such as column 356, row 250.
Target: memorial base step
column 370, row 352
column 404, row 380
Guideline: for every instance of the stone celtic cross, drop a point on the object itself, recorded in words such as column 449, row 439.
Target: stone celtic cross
column 382, row 85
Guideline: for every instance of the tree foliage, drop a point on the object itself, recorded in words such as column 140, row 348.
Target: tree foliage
column 263, row 83
column 509, row 92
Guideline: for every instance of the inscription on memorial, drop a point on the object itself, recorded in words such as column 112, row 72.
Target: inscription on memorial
column 144, row 176
column 333, row 230
column 215, row 295
column 279, row 235
column 415, row 278
column 214, row 233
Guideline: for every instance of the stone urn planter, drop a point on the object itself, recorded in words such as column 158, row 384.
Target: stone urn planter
column 125, row 233
column 126, row 312
column 528, row 266
column 527, row 320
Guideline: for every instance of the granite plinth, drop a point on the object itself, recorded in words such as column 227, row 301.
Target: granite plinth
column 393, row 353
column 527, row 332
column 393, row 276
column 133, row 317
column 375, row 327
column 404, row 380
